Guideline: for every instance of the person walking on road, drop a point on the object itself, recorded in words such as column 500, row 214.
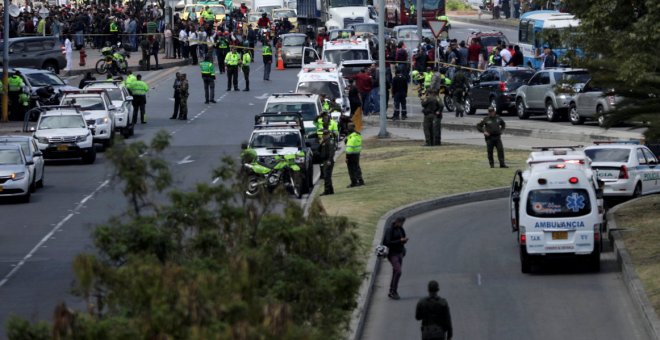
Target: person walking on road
column 432, row 109
column 353, row 149
column 399, row 93
column 231, row 61
column 395, row 240
column 492, row 126
column 434, row 313
column 267, row 53
column 177, row 95
column 208, row 76
column 245, row 66
column 139, row 91
column 327, row 151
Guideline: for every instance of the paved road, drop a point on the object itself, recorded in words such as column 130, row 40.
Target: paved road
column 39, row 240
column 475, row 260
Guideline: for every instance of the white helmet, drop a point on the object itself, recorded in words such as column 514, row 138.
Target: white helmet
column 382, row 251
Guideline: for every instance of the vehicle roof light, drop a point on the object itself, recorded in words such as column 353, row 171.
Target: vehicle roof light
column 573, row 180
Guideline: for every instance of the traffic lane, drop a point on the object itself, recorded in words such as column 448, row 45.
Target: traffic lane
column 461, row 31
column 476, row 263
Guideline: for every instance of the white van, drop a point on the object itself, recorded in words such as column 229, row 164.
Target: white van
column 320, row 78
column 557, row 208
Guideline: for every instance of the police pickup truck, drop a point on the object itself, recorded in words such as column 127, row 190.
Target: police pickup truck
column 557, row 208
column 282, row 133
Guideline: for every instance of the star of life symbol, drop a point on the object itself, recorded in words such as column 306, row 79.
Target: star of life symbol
column 575, row 202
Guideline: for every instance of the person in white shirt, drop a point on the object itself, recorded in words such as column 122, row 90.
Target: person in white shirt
column 183, row 42
column 506, row 55
column 68, row 53
column 193, row 39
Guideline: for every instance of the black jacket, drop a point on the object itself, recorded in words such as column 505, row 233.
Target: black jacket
column 399, row 85
column 392, row 240
column 436, row 318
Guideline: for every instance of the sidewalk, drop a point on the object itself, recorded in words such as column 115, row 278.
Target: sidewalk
column 94, row 55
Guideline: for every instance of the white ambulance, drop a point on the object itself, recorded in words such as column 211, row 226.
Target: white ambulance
column 324, row 78
column 557, row 208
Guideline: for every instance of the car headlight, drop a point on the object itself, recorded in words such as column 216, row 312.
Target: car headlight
column 17, row 175
column 103, row 120
column 42, row 140
column 82, row 138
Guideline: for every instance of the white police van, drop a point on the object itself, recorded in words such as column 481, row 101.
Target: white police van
column 557, row 208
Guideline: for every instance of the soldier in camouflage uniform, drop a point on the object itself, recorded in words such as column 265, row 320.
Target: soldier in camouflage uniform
column 183, row 115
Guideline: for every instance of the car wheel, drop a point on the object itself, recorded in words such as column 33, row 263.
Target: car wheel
column 520, row 108
column 132, row 129
column 126, row 132
column 574, row 116
column 593, row 262
column 525, row 261
column 600, row 115
column 40, row 182
column 90, row 157
column 551, row 112
column 467, row 107
column 638, row 191
column 493, row 103
column 51, row 66
column 26, row 198
column 33, row 185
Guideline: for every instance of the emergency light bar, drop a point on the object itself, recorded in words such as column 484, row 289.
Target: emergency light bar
column 548, row 148
column 85, row 91
column 112, row 81
column 278, row 95
column 634, row 142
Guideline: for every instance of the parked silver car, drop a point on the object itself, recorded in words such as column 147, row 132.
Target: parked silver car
column 591, row 103
column 36, row 52
column 15, row 177
column 33, row 154
column 292, row 48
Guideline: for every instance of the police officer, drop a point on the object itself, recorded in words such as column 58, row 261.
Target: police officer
column 139, row 91
column 114, row 31
column 428, row 76
column 208, row 76
column 434, row 313
column 245, row 66
column 177, row 95
column 221, row 46
column 327, row 152
column 492, row 126
column 353, row 149
column 183, row 93
column 267, row 53
column 324, row 122
column 17, row 100
column 432, row 109
column 231, row 61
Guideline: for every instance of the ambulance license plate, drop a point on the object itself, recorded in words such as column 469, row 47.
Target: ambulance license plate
column 62, row 147
column 560, row 235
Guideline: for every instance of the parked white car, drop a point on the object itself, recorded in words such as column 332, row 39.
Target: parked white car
column 123, row 102
column 62, row 133
column 98, row 111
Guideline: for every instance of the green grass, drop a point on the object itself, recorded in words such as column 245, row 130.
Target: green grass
column 642, row 240
column 398, row 172
column 457, row 5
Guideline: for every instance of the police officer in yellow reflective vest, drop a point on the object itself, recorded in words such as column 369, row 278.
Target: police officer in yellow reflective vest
column 447, row 23
column 231, row 61
column 324, row 122
column 208, row 16
column 245, row 62
column 428, row 76
column 114, row 31
column 267, row 53
column 139, row 91
column 353, row 149
column 18, row 100
column 208, row 76
column 221, row 47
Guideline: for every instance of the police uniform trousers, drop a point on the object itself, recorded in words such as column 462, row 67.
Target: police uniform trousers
column 232, row 77
column 183, row 109
column 209, row 87
column 495, row 142
column 267, row 70
column 437, row 129
column 326, row 173
column 354, row 170
column 246, row 74
column 221, row 53
column 428, row 128
column 139, row 103
column 15, row 107
column 177, row 104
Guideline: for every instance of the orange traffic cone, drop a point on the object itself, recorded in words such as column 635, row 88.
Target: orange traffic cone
column 280, row 62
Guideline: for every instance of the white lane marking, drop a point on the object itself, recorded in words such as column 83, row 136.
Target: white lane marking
column 479, row 279
column 50, row 234
column 186, row 160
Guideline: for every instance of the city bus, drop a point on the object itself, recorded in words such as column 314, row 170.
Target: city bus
column 539, row 28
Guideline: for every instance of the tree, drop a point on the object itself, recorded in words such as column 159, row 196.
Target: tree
column 208, row 263
column 621, row 41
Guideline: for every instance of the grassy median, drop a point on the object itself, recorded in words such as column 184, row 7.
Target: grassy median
column 642, row 239
column 398, row 172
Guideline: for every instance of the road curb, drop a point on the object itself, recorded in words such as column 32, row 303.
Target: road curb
column 358, row 317
column 534, row 133
column 483, row 22
column 629, row 275
column 135, row 68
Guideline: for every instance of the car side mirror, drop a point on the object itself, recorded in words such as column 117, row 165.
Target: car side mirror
column 38, row 154
column 32, row 129
column 112, row 108
column 129, row 98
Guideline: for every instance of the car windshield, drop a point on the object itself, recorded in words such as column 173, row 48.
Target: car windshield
column 114, row 93
column 294, row 41
column 520, row 76
column 575, row 77
column 492, row 40
column 337, row 56
column 351, row 70
column 608, row 155
column 329, row 88
column 284, row 14
column 86, row 103
column 338, row 34
column 23, row 143
column 365, row 28
column 558, row 203
column 275, row 140
column 10, row 157
column 44, row 79
column 62, row 122
column 308, row 109
column 407, row 33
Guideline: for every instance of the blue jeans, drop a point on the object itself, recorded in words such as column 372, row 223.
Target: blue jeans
column 79, row 38
column 267, row 71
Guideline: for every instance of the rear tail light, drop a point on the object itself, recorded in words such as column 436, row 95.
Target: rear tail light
column 623, row 172
column 597, row 232
column 503, row 87
column 610, row 100
column 523, row 237
column 573, row 180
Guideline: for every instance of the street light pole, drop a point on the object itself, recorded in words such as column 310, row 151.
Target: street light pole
column 418, row 12
column 381, row 70
column 5, row 63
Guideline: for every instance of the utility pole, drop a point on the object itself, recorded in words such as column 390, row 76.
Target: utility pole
column 5, row 64
column 418, row 12
column 381, row 69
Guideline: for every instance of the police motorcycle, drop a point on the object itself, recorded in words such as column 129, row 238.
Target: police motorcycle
column 285, row 172
column 113, row 60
